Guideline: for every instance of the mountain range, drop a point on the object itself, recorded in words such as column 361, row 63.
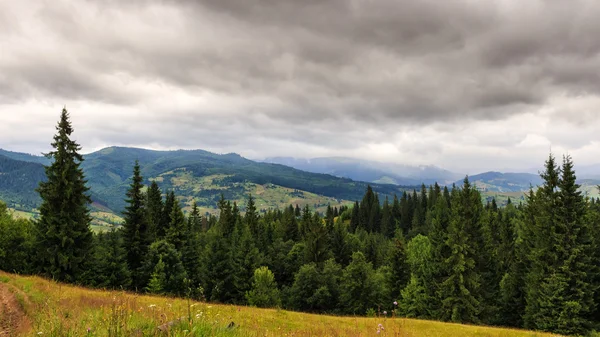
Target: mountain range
column 194, row 175
column 202, row 176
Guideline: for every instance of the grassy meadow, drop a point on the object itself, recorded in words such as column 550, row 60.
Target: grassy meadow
column 53, row 309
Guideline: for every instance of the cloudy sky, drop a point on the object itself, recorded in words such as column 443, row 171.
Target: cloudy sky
column 467, row 85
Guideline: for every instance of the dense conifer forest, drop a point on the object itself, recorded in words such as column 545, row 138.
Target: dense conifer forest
column 436, row 253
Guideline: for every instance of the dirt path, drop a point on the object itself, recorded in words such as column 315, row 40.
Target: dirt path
column 13, row 320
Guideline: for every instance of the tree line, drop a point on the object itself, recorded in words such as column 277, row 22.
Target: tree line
column 438, row 253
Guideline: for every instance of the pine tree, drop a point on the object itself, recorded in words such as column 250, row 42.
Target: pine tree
column 111, row 262
column 227, row 218
column 399, row 269
column 290, row 225
column 460, row 291
column 406, row 213
column 374, row 224
column 165, row 217
column 176, row 233
column 64, row 237
column 329, row 217
column 355, row 218
column 251, row 217
column 135, row 227
column 438, row 235
column 246, row 258
column 154, row 208
column 542, row 238
column 306, row 222
column 190, row 254
column 396, row 213
column 218, row 270
column 388, row 227
column 340, row 245
column 563, row 302
column 317, row 242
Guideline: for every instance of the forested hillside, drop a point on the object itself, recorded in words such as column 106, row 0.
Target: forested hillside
column 18, row 181
column 195, row 175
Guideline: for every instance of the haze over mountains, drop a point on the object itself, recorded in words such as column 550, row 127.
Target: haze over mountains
column 371, row 171
column 398, row 174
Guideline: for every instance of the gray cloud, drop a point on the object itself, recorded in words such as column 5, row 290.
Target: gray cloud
column 331, row 75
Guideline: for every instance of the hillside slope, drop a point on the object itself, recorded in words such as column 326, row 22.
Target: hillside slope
column 198, row 175
column 56, row 309
column 18, row 181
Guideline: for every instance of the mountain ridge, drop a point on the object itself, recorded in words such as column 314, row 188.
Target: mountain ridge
column 108, row 171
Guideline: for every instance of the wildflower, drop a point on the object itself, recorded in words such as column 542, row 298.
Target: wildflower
column 385, row 312
column 395, row 302
column 40, row 333
column 152, row 306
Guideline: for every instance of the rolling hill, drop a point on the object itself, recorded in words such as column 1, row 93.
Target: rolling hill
column 195, row 175
column 371, row 171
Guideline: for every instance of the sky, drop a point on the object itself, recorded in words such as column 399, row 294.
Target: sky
column 467, row 85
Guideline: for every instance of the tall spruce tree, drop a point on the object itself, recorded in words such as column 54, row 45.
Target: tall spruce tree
column 460, row 291
column 563, row 302
column 165, row 217
column 251, row 217
column 154, row 208
column 245, row 259
column 355, row 217
column 64, row 237
column 111, row 261
column 135, row 227
column 190, row 253
column 542, row 239
column 177, row 231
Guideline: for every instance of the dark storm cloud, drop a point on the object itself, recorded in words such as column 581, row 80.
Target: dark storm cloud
column 410, row 61
column 225, row 72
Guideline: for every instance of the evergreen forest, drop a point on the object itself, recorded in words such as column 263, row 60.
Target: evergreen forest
column 435, row 253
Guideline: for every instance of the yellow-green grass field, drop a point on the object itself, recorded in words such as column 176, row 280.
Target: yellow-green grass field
column 266, row 196
column 52, row 309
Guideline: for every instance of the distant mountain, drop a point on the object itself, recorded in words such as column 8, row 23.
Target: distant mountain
column 588, row 171
column 25, row 157
column 520, row 182
column 203, row 176
column 504, row 182
column 18, row 181
column 371, row 171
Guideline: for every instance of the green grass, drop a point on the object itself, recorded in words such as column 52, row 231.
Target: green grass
column 266, row 196
column 59, row 310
